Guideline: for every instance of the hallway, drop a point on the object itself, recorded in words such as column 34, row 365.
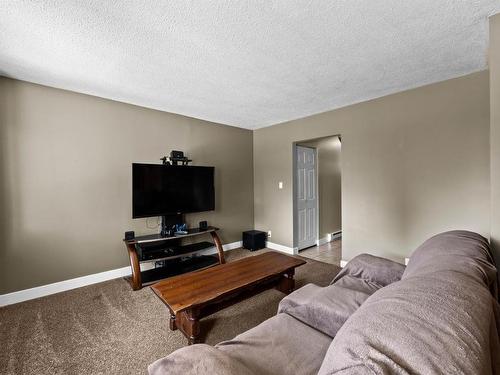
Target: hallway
column 330, row 252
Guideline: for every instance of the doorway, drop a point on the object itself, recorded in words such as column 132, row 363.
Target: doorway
column 317, row 212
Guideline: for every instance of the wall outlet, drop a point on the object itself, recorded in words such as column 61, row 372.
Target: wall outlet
column 268, row 234
column 280, row 185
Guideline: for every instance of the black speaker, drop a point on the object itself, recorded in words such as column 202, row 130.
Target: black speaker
column 203, row 225
column 254, row 240
column 130, row 235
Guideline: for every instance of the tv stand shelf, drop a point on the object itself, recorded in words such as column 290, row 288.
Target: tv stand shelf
column 175, row 252
column 198, row 263
column 155, row 247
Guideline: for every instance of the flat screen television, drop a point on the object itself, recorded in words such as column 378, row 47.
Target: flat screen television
column 160, row 190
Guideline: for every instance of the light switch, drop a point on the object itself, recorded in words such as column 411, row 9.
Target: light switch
column 280, row 185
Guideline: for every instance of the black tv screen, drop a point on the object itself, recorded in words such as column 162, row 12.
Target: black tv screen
column 159, row 190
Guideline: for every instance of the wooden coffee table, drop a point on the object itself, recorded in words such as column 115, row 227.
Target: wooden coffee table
column 195, row 295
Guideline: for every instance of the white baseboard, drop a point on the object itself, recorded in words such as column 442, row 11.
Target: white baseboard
column 323, row 241
column 335, row 235
column 232, row 245
column 282, row 248
column 329, row 238
column 62, row 286
column 226, row 247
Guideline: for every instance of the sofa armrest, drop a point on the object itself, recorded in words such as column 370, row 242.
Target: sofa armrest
column 325, row 309
column 377, row 270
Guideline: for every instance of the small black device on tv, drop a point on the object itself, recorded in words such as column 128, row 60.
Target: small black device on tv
column 161, row 190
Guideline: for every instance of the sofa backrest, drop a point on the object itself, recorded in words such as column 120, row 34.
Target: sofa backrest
column 439, row 318
column 459, row 251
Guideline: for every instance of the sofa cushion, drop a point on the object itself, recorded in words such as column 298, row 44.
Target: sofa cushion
column 377, row 270
column 280, row 345
column 326, row 309
column 301, row 296
column 356, row 284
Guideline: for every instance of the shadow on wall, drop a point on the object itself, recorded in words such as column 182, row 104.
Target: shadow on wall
column 3, row 176
column 31, row 170
column 7, row 145
column 15, row 215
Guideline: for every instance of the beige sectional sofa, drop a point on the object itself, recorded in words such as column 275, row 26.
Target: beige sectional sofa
column 439, row 315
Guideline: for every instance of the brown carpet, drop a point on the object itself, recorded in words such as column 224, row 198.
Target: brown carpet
column 107, row 328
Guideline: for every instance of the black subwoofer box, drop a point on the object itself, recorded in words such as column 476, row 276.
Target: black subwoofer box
column 254, row 240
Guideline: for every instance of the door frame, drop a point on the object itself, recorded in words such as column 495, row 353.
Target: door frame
column 294, row 193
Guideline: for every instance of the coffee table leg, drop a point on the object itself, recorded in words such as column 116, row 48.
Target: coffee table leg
column 173, row 325
column 188, row 322
column 287, row 283
column 193, row 327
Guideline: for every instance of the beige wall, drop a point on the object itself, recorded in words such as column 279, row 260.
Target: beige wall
column 329, row 183
column 413, row 164
column 65, row 179
column 494, row 64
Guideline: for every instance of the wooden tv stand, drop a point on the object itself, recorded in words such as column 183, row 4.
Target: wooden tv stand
column 134, row 246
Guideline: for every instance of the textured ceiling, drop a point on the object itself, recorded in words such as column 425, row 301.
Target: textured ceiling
column 243, row 63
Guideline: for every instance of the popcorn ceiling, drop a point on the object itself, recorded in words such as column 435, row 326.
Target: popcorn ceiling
column 243, row 63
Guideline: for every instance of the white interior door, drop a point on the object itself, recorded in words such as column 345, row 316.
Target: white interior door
column 306, row 197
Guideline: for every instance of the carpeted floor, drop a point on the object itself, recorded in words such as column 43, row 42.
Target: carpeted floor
column 107, row 328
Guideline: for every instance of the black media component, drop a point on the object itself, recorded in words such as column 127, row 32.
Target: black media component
column 169, row 224
column 177, row 157
column 176, row 154
column 203, row 225
column 167, row 231
column 130, row 235
column 160, row 190
column 254, row 240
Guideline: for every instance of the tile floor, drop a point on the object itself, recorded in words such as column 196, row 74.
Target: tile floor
column 330, row 252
